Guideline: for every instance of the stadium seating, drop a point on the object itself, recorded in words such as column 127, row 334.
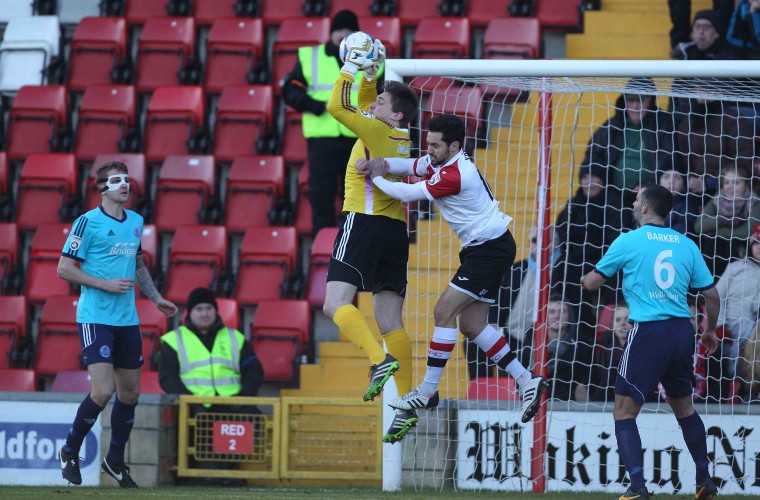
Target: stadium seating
column 442, row 38
column 35, row 120
column 19, row 380
column 97, row 49
column 153, row 324
column 411, row 13
column 137, row 12
column 206, row 12
column 293, row 142
column 71, row 381
column 9, row 242
column 275, row 12
column 6, row 196
column 149, row 244
column 243, row 119
column 493, row 389
column 30, row 47
column 302, row 219
column 58, row 346
column 166, row 48
column 106, row 117
column 512, row 38
column 295, row 33
column 45, row 185
column 185, row 186
column 234, row 53
column 12, row 326
column 174, row 116
column 461, row 101
column 361, row 8
column 11, row 9
column 563, row 15
column 279, row 331
column 198, row 257
column 135, row 163
column 481, row 12
column 149, row 383
column 42, row 275
column 229, row 311
column 72, row 12
column 319, row 258
column 387, row 29
column 254, row 186
column 267, row 258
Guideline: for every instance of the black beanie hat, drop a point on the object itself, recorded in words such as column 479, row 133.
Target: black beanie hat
column 708, row 15
column 345, row 19
column 594, row 169
column 201, row 296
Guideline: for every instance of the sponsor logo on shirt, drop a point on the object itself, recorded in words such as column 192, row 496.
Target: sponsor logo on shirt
column 127, row 249
column 403, row 149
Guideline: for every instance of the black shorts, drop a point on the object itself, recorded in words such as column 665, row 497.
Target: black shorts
column 482, row 268
column 120, row 346
column 370, row 252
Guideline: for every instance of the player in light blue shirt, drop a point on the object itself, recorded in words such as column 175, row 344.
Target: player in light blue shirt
column 103, row 255
column 660, row 266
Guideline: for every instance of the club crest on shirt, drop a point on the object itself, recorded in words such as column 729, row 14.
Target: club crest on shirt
column 366, row 115
column 76, row 242
column 138, row 232
column 435, row 179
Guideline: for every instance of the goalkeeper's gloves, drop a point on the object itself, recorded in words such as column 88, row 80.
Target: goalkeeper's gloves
column 377, row 62
column 357, row 58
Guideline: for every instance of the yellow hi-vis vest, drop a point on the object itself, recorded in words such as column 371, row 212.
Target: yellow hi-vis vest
column 321, row 72
column 204, row 375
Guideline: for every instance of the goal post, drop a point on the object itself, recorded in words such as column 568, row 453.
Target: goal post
column 528, row 126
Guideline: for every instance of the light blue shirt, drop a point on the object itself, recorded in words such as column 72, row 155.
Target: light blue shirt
column 107, row 248
column 659, row 266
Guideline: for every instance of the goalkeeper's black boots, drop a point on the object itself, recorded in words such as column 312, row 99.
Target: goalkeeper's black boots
column 379, row 374
column 121, row 474
column 70, row 466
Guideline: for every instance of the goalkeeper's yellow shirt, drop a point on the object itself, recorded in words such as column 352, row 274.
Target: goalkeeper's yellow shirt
column 377, row 139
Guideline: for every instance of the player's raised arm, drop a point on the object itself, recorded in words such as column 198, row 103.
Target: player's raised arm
column 593, row 281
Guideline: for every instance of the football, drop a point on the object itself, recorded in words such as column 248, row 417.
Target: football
column 358, row 39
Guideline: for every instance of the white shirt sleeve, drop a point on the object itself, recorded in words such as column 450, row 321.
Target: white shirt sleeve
column 402, row 191
column 401, row 166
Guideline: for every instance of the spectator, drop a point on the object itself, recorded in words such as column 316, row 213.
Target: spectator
column 680, row 13
column 607, row 358
column 329, row 143
column 204, row 357
column 686, row 206
column 585, row 228
column 743, row 33
column 726, row 222
column 707, row 39
column 632, row 144
column 740, row 303
column 568, row 357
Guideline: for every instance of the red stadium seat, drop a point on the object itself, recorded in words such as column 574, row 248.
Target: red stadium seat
column 97, row 48
column 149, row 383
column 275, row 12
column 411, row 13
column 387, row 29
column 34, row 120
column 293, row 141
column 135, row 163
column 512, row 38
column 106, row 117
column 42, row 276
column 243, row 118
column 72, row 381
column 185, row 185
column 563, row 15
column 481, row 12
column 321, row 251
column 302, row 221
column 58, row 346
column 493, row 389
column 206, row 12
column 442, row 38
column 45, row 185
column 149, row 244
column 12, row 325
column 167, row 45
column 295, row 33
column 229, row 311
column 606, row 321
column 254, row 186
column 359, row 7
column 198, row 256
column 174, row 114
column 18, row 380
column 3, row 174
column 139, row 11
column 267, row 257
column 461, row 101
column 234, row 53
column 8, row 255
column 153, row 324
column 279, row 331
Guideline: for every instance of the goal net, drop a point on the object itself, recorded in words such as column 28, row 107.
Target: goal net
column 687, row 126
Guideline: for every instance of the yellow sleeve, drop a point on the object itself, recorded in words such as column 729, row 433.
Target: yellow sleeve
column 367, row 93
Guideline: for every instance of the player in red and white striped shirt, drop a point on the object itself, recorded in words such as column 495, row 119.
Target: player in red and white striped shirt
column 488, row 251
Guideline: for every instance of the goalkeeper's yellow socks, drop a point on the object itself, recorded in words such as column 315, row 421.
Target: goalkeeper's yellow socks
column 352, row 324
column 400, row 348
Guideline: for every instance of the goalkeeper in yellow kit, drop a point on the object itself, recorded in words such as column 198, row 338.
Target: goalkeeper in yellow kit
column 372, row 246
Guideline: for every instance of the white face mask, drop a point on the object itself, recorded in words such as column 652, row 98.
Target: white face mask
column 115, row 182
